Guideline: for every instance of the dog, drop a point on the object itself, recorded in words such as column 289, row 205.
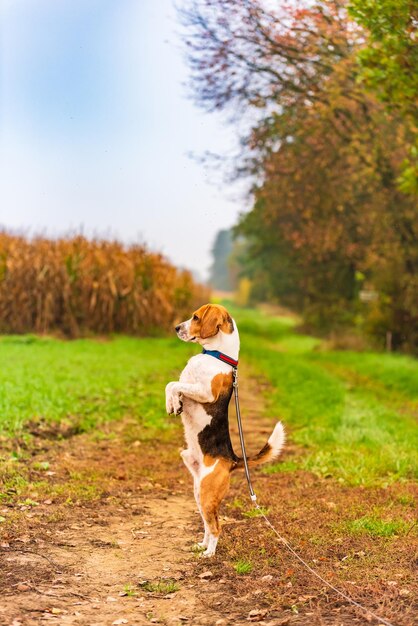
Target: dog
column 201, row 397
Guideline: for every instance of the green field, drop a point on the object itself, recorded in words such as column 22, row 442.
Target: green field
column 85, row 382
column 353, row 416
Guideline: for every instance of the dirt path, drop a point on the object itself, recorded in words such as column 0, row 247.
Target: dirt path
column 126, row 558
column 104, row 538
column 100, row 564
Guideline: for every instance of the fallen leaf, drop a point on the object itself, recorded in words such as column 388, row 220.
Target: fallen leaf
column 256, row 615
column 404, row 592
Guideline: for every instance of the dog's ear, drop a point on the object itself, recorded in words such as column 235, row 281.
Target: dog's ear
column 227, row 325
column 211, row 322
column 214, row 318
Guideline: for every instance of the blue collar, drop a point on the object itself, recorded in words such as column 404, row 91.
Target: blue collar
column 222, row 357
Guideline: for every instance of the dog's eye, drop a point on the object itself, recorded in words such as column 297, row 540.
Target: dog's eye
column 195, row 318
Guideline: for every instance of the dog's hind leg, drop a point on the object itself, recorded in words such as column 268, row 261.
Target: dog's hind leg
column 193, row 466
column 204, row 543
column 213, row 489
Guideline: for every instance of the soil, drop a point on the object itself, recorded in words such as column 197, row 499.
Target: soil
column 121, row 553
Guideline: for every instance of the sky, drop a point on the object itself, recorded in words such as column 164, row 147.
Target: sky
column 97, row 128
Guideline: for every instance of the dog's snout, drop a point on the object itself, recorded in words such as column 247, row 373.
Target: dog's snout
column 178, row 328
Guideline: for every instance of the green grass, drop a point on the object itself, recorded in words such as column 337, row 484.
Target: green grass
column 376, row 527
column 163, row 586
column 129, row 590
column 353, row 415
column 86, row 383
column 243, row 567
column 262, row 510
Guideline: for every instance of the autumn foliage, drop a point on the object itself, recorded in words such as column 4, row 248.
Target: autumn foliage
column 74, row 286
column 333, row 231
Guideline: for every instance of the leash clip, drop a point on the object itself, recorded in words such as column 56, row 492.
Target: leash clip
column 235, row 377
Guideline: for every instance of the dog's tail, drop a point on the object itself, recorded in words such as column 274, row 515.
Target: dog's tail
column 268, row 452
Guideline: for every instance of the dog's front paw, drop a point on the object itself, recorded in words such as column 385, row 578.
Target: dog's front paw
column 178, row 406
column 169, row 406
column 177, row 399
column 173, row 399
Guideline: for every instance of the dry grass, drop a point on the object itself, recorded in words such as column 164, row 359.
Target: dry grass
column 75, row 286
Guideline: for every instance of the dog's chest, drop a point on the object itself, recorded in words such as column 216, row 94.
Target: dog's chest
column 199, row 370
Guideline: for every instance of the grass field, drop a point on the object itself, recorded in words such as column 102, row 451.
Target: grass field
column 354, row 415
column 85, row 382
column 344, row 492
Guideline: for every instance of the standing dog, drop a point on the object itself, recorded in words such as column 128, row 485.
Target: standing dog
column 202, row 397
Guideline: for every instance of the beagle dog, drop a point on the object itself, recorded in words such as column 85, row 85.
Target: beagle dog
column 202, row 397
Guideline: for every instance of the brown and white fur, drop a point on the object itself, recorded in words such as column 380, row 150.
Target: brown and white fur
column 202, row 397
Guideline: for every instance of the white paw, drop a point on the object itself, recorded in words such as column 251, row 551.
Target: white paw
column 169, row 405
column 177, row 404
column 173, row 402
column 211, row 549
column 168, row 399
column 208, row 553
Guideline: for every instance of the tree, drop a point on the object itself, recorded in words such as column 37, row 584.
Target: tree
column 242, row 54
column 325, row 156
column 219, row 272
column 389, row 60
column 389, row 66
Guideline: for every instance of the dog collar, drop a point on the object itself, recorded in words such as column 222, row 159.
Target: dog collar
column 222, row 357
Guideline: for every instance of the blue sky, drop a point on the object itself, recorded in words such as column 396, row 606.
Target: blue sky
column 96, row 128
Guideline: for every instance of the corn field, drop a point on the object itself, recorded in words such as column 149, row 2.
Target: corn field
column 74, row 286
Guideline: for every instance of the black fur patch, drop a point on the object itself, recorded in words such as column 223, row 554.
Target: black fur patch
column 214, row 439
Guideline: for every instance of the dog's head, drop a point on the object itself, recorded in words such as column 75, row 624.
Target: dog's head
column 206, row 322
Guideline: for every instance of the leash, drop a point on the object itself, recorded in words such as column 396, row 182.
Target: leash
column 270, row 525
column 241, row 435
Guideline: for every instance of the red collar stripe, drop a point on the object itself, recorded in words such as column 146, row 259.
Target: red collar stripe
column 222, row 357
